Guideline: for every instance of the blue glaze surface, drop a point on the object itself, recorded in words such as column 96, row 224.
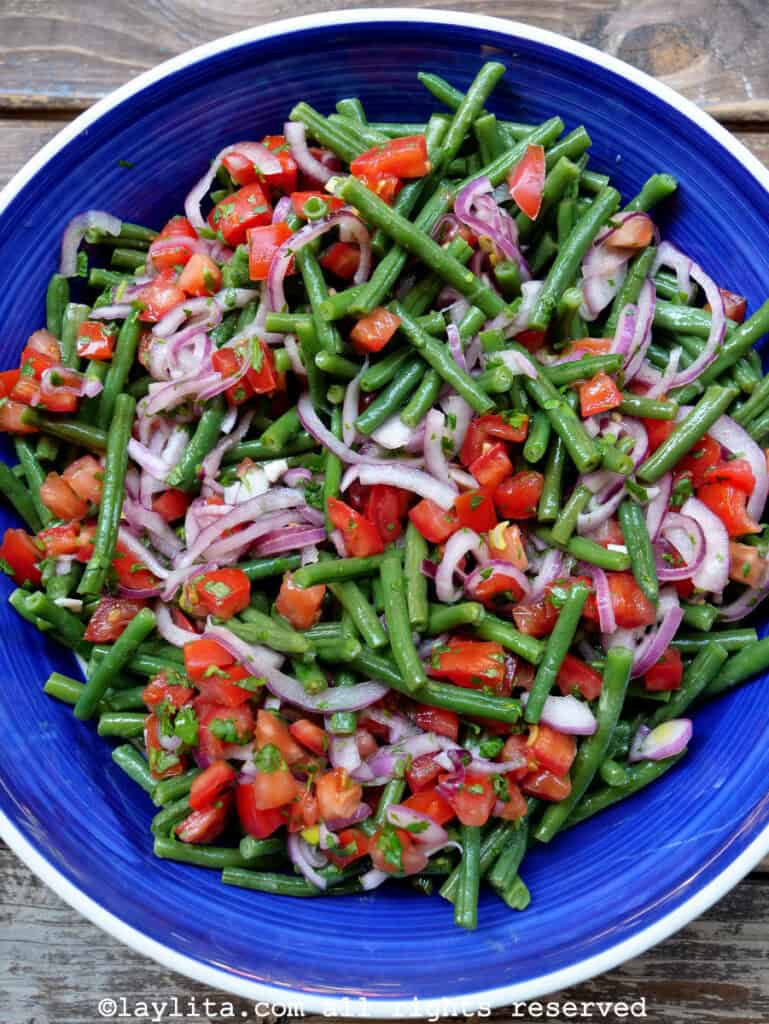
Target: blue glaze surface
column 600, row 883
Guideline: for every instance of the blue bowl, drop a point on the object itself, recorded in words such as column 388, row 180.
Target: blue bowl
column 604, row 891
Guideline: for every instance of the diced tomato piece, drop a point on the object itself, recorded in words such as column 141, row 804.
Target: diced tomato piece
column 220, row 592
column 599, row 394
column 394, row 850
column 506, row 544
column 85, row 476
column 131, row 573
column 492, row 467
column 110, row 619
column 259, row 824
column 431, row 803
column 590, row 346
column 735, row 306
column 309, row 735
column 171, row 504
column 474, row 801
column 20, row 551
column 667, row 673
column 404, row 157
column 518, row 496
column 219, row 725
column 728, row 503
column 635, row 233
column 513, row 802
column 225, row 686
column 200, row 656
column 160, row 296
column 205, row 825
column 632, row 609
column 738, row 473
column 298, row 199
column 574, row 674
column 658, row 431
column 95, row 341
column 547, row 786
column 263, row 243
column 286, row 181
column 34, row 363
column 233, row 216
column 274, row 788
column 59, row 497
column 303, row 811
column 271, row 731
column 438, row 720
column 476, row 664
column 210, row 784
column 514, row 429
column 551, row 749
column 69, row 539
column 365, row 742
column 385, row 507
column 338, row 796
column 422, row 772
column 527, row 180
column 536, row 618
column 517, row 747
column 746, row 565
column 11, row 422
column 532, row 340
column 372, row 332
column 201, row 276
column 301, row 606
column 355, row 845
column 160, row 689
column 26, row 391
column 361, row 536
column 705, row 454
column 167, row 257
column 163, row 764
column 8, row 380
column 228, row 362
column 497, row 585
column 386, row 186
column 434, row 523
column 475, row 510
column 342, row 259
column 262, row 376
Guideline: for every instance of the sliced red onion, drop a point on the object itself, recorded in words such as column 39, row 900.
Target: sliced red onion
column 162, row 536
column 264, row 161
column 372, row 879
column 171, row 244
column 291, row 538
column 117, row 311
column 435, row 455
column 475, row 207
column 665, row 741
column 746, row 603
column 455, row 346
column 203, row 307
column 664, row 380
column 669, row 617
column 393, row 434
column 658, row 506
column 713, row 574
column 642, row 335
column 211, row 463
column 361, row 813
column 566, row 714
column 72, row 382
column 686, row 536
column 551, row 569
column 606, row 507
column 350, row 407
column 497, row 567
column 299, row 853
column 74, row 233
column 295, row 137
column 458, row 417
column 141, row 455
column 463, row 542
column 343, row 753
column 384, row 762
column 168, row 629
column 421, row 829
column 606, row 620
column 516, row 362
column 141, row 553
column 230, row 548
column 409, row 479
column 314, row 426
column 740, row 444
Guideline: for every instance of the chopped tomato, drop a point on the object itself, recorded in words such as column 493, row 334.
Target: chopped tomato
column 11, row 418
column 632, row 609
column 161, row 690
column 201, row 276
column 200, row 656
column 738, row 473
column 537, row 618
column 372, row 332
column 298, row 199
column 385, row 507
column 220, row 592
column 259, row 824
column 552, row 749
column 342, row 259
column 431, row 803
column 95, row 341
column 474, row 800
column 518, row 496
column 497, row 584
column 163, row 764
column 658, row 431
column 131, row 573
column 271, row 731
column 286, row 180
column 404, row 157
column 210, row 784
column 728, row 503
column 338, row 796
column 635, row 233
column 365, row 742
column 160, row 296
column 8, row 378
column 513, row 802
column 171, row 504
column 527, row 180
column 219, row 725
column 735, row 306
column 517, row 748
column 493, row 425
column 438, row 720
column 386, row 186
column 492, row 467
column 55, row 393
column 309, row 735
column 361, row 536
column 506, row 544
column 230, row 686
column 394, row 850
column 168, row 258
column 110, row 619
column 422, row 772
column 85, row 476
column 574, row 674
column 228, row 362
column 68, row 539
column 705, row 454
column 590, row 346
column 475, row 510
column 353, row 844
column 547, row 786
column 60, row 499
column 263, row 243
column 261, row 376
column 206, row 825
column 303, row 811
column 599, row 394
column 26, row 391
column 301, row 606
column 434, row 523
column 667, row 673
column 233, row 216
column 532, row 340
column 34, row 362
column 746, row 564
column 275, row 787
column 472, row 663
column 20, row 551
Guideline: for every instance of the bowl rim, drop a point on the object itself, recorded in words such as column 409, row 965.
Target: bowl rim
column 313, row 1002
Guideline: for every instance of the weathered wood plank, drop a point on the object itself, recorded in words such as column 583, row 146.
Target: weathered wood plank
column 716, row 971
column 66, row 56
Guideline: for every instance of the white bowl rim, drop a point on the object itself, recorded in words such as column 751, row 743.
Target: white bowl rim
column 331, row 1005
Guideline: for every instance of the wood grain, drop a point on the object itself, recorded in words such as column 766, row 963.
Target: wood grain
column 66, row 55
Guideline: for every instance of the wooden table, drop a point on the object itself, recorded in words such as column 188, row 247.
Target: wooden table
column 58, row 58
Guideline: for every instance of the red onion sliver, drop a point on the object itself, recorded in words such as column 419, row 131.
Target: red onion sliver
column 460, row 544
column 740, row 444
column 75, row 232
column 713, row 574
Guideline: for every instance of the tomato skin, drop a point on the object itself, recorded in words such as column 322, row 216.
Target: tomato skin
column 599, row 394
column 94, row 341
column 551, row 749
column 412, row 859
column 667, row 673
column 342, row 259
column 404, row 157
column 547, row 786
column 705, row 454
column 657, row 431
column 575, row 674
column 434, row 523
column 746, row 564
column 735, row 306
column 11, row 422
column 8, row 379
column 200, row 655
column 475, row 510
column 84, row 476
column 302, row 607
column 232, row 216
column 69, row 539
column 274, row 789
column 385, row 507
column 259, row 824
column 171, row 504
column 338, row 796
column 361, row 537
column 209, row 786
column 204, row 826
column 438, row 720
column 349, row 837
column 738, row 473
column 474, row 801
column 159, row 690
column 210, row 747
column 492, row 466
column 221, row 592
column 372, row 332
column 422, row 772
column 160, row 296
column 474, row 664
column 728, row 503
column 517, row 746
column 215, row 673
column 303, row 811
column 515, row 807
column 431, row 803
column 386, row 186
column 177, row 227
column 506, row 544
column 518, row 496
column 527, row 180
column 491, row 425
column 21, row 552
column 201, row 276
column 536, row 618
column 309, row 735
column 632, row 609
column 271, row 731
column 636, row 233
column 131, row 574
column 110, row 618
column 60, row 499
column 263, row 243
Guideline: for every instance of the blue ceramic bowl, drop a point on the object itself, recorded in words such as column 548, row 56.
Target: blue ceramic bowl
column 604, row 891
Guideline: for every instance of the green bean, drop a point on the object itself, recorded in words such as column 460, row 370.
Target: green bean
column 336, row 365
column 544, row 253
column 493, row 841
column 63, row 688
column 490, row 143
column 352, row 599
column 439, row 695
column 125, row 724
column 630, row 288
column 442, row 618
column 69, row 430
column 333, row 136
column 747, row 662
column 470, row 108
column 46, row 449
column 654, row 190
column 175, row 787
column 14, row 491
column 466, row 900
column 566, row 523
column 284, row 885
column 503, row 876
column 563, row 174
column 123, row 359
column 283, row 430
column 261, row 629
column 613, row 773
column 550, row 498
column 126, row 700
column 582, row 369
column 699, row 616
column 397, row 618
column 648, row 408
column 252, row 849
column 73, row 316
column 572, row 146
column 187, row 470
column 399, row 129
column 344, row 723
column 587, row 550
column 382, row 372
column 564, row 270
column 422, row 296
column 317, row 293
column 166, row 820
column 424, row 398
column 132, row 260
column 275, row 565
column 309, row 349
column 68, row 626
column 391, row 398
column 737, row 344
column 556, row 649
column 142, row 664
column 639, row 547
column 755, row 405
column 415, row 552
column 498, row 631
column 507, row 274
column 18, row 600
column 593, row 749
column 334, row 570
column 136, row 768
column 352, row 108
column 216, row 857
column 538, row 437
column 35, row 476
column 696, row 679
column 120, row 654
column 56, row 299
column 638, row 776
column 710, row 407
column 391, row 794
column 728, row 639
